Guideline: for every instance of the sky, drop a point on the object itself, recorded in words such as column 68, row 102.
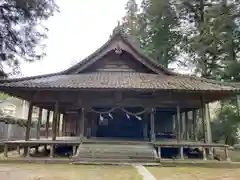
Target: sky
column 79, row 29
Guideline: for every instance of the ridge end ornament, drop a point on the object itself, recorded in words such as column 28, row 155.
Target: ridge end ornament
column 118, row 50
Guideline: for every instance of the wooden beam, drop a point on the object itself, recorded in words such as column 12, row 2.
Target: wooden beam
column 28, row 128
column 47, row 124
column 195, row 133
column 187, row 126
column 178, row 124
column 208, row 124
column 203, row 112
column 39, row 122
column 82, row 126
column 152, row 123
column 55, row 119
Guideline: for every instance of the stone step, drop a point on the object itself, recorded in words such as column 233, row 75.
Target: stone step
column 115, row 152
column 89, row 160
column 116, row 156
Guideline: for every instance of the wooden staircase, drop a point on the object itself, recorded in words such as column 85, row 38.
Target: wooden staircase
column 115, row 153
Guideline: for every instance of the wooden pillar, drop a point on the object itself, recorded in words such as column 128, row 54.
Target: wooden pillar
column 39, row 122
column 54, row 128
column 58, row 123
column 195, row 134
column 159, row 153
column 5, row 150
column 145, row 126
column 181, row 153
column 55, row 121
column 77, row 122
column 183, row 125
column 28, row 127
column 47, row 125
column 174, row 123
column 63, row 125
column 203, row 111
column 82, row 124
column 208, row 124
column 226, row 154
column 152, row 121
column 178, row 124
column 19, row 150
column 187, row 126
column 204, row 153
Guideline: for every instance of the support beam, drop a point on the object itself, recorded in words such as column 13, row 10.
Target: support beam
column 178, row 124
column 145, row 126
column 174, row 123
column 6, row 150
column 152, row 121
column 204, row 153
column 54, row 128
column 195, row 134
column 183, row 125
column 203, row 112
column 39, row 122
column 28, row 128
column 63, row 125
column 82, row 126
column 208, row 124
column 187, row 126
column 47, row 124
column 55, row 119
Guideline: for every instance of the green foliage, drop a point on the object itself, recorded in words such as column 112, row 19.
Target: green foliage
column 225, row 125
column 3, row 96
column 156, row 26
column 21, row 31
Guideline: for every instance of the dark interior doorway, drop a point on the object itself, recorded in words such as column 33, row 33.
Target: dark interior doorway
column 120, row 125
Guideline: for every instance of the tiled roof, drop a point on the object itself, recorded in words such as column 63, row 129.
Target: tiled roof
column 120, row 80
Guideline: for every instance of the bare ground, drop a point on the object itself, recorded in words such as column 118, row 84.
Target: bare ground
column 195, row 173
column 66, row 172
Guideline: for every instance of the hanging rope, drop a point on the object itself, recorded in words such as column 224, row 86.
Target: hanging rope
column 124, row 110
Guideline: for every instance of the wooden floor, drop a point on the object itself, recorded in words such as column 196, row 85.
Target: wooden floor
column 76, row 140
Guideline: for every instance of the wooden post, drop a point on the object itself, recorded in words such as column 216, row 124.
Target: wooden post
column 208, row 124
column 47, row 125
column 28, row 128
column 195, row 135
column 63, row 125
column 204, row 153
column 152, row 121
column 58, row 123
column 82, row 124
column 5, row 150
column 55, row 119
column 54, row 128
column 183, row 122
column 226, row 154
column 28, row 151
column 181, row 153
column 178, row 124
column 187, row 126
column 159, row 153
column 145, row 126
column 174, row 123
column 19, row 150
column 203, row 111
column 39, row 122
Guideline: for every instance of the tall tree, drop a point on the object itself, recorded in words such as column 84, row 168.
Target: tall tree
column 156, row 26
column 130, row 20
column 22, row 31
